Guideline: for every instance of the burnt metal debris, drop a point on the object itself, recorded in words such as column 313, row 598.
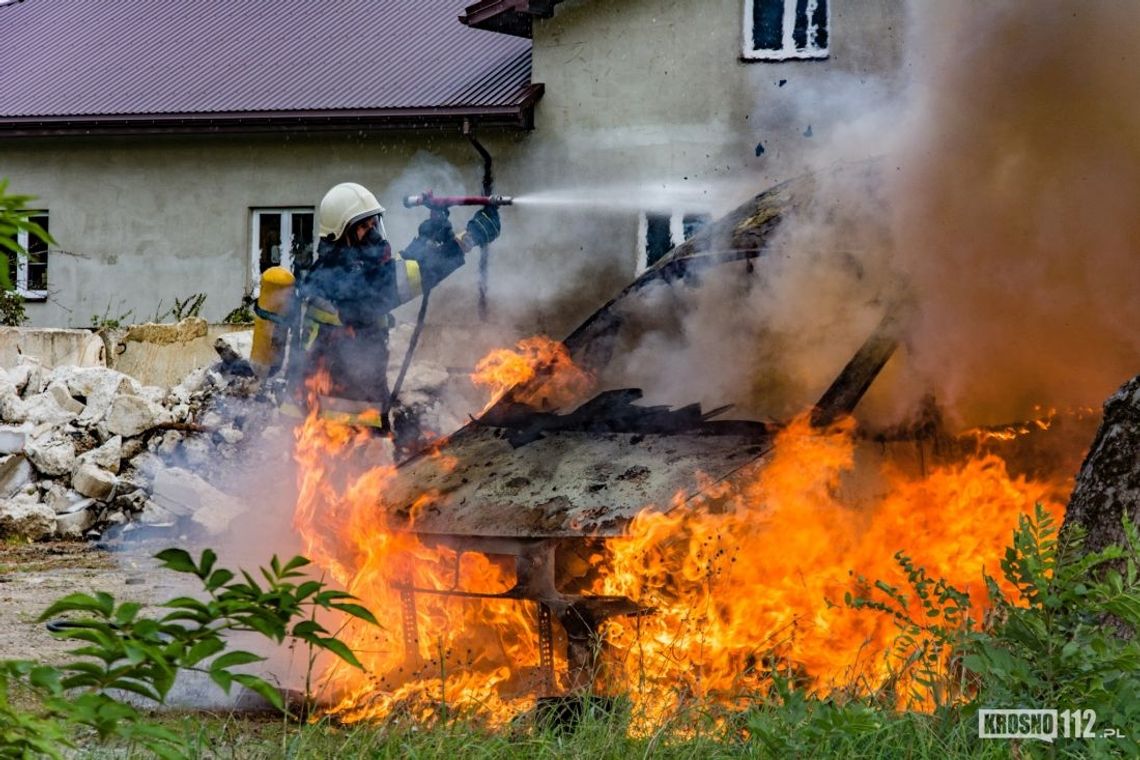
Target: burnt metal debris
column 546, row 489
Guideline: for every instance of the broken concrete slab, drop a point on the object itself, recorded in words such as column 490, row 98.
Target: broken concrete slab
column 234, row 347
column 64, row 398
column 24, row 517
column 165, row 354
column 180, row 492
column 43, row 408
column 216, row 516
column 15, row 473
column 12, row 439
column 193, row 383
column 130, row 501
column 63, row 499
column 131, row 415
column 92, row 480
column 52, row 454
column 108, row 456
column 156, row 516
column 54, row 347
column 76, row 523
column 98, row 386
column 13, row 409
column 28, row 375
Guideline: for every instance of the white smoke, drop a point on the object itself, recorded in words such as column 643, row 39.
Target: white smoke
column 1005, row 145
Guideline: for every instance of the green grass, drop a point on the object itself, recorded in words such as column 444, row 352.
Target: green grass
column 945, row 736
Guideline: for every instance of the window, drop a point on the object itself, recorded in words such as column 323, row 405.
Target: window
column 280, row 237
column 659, row 232
column 779, row 30
column 28, row 274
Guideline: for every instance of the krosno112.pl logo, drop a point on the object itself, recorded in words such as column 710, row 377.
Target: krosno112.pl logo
column 1045, row 725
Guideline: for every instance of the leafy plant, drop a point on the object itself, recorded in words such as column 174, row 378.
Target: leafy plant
column 243, row 314
column 108, row 322
column 12, row 313
column 123, row 650
column 187, row 307
column 791, row 722
column 929, row 631
column 13, row 220
column 182, row 309
column 1063, row 640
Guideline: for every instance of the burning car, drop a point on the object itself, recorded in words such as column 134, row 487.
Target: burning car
column 573, row 540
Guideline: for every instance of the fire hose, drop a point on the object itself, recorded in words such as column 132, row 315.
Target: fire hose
column 438, row 205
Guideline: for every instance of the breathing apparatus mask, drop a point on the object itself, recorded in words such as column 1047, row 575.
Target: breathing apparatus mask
column 373, row 244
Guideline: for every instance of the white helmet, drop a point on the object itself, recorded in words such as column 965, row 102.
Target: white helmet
column 346, row 204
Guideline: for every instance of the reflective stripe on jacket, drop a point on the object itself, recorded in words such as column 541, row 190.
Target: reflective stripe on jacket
column 409, row 285
column 346, row 411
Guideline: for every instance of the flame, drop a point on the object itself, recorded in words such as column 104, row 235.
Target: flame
column 466, row 648
column 1043, row 421
column 754, row 577
column 747, row 579
column 539, row 370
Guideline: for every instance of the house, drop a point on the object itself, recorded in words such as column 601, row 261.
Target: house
column 179, row 148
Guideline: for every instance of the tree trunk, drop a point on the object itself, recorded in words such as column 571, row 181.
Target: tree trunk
column 1108, row 484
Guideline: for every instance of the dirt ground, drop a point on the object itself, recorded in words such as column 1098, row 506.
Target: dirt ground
column 34, row 575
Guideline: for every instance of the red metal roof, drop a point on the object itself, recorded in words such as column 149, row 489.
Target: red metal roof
column 218, row 61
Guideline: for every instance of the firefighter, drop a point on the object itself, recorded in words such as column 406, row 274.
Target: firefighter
column 356, row 282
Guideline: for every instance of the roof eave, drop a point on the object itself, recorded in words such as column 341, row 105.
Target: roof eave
column 517, row 115
column 507, row 16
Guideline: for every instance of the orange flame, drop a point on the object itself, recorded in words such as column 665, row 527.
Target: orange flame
column 1044, row 421
column 747, row 578
column 539, row 370
column 465, row 649
column 755, row 575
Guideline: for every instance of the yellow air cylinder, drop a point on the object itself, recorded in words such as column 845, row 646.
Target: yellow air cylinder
column 269, row 331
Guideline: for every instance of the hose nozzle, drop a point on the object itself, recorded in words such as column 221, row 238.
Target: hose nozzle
column 436, row 202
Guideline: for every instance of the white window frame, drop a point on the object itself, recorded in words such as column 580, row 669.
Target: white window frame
column 787, row 51
column 676, row 234
column 21, row 282
column 285, row 236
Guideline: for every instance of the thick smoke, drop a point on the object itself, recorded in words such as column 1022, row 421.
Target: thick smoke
column 1014, row 200
column 1002, row 209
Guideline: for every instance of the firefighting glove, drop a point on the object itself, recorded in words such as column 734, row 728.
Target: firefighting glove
column 484, row 226
column 437, row 228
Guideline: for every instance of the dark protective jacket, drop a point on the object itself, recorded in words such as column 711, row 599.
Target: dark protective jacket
column 348, row 296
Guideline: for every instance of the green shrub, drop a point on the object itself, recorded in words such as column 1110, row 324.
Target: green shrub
column 243, row 314
column 13, row 220
column 1062, row 641
column 12, row 313
column 121, row 649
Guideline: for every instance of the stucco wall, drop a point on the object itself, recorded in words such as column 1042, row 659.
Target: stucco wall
column 656, row 90
column 148, row 219
column 639, row 94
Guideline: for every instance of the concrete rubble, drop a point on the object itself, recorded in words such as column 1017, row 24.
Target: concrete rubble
column 91, row 453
